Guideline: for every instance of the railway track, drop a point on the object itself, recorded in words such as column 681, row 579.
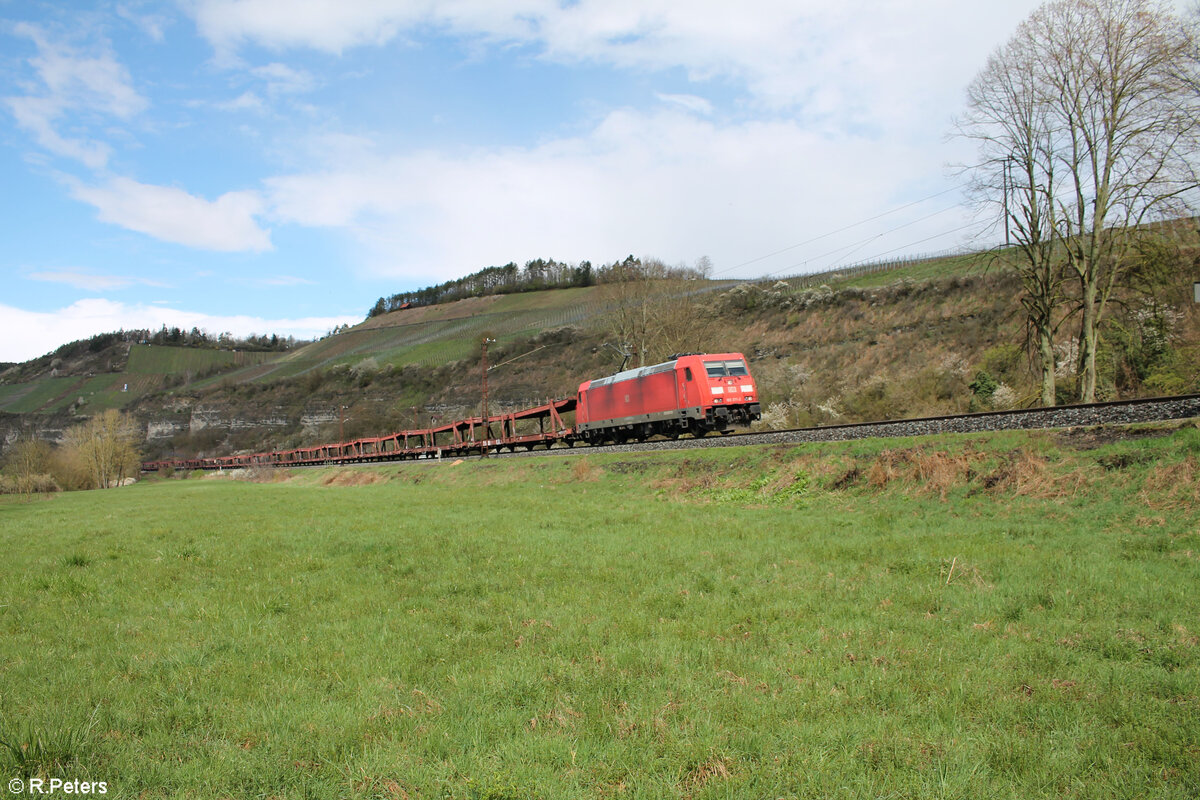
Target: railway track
column 1120, row 412
column 1154, row 409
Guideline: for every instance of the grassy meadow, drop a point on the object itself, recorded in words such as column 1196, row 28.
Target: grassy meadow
column 1003, row 616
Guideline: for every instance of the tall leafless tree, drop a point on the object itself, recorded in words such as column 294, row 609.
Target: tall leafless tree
column 1102, row 129
column 1016, row 180
column 658, row 310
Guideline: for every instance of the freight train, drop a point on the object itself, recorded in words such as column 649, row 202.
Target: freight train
column 692, row 393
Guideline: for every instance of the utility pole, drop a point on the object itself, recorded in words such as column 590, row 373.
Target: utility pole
column 1007, row 180
column 483, row 448
column 342, row 423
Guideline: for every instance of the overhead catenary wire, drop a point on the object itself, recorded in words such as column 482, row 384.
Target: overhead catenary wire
column 514, row 358
column 840, row 230
column 922, row 241
column 852, row 247
column 858, row 245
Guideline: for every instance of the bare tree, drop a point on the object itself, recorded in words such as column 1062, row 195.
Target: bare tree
column 683, row 324
column 1118, row 75
column 105, row 445
column 631, row 316
column 654, row 310
column 28, row 457
column 28, row 461
column 1103, row 93
column 1016, row 179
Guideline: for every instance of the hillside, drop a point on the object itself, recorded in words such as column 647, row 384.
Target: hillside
column 934, row 336
column 113, row 376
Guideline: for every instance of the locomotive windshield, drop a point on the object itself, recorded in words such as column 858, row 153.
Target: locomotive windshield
column 719, row 369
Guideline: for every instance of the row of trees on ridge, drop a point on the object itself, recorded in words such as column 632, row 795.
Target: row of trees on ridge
column 537, row 275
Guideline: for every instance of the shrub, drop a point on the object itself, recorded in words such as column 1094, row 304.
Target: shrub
column 1003, row 360
column 984, row 386
column 1004, row 396
column 313, row 380
column 28, row 484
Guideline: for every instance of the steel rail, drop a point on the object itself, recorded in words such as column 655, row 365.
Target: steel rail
column 1151, row 409
column 1116, row 412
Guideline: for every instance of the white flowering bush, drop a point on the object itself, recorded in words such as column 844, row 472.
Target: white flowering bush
column 1004, row 396
column 1066, row 358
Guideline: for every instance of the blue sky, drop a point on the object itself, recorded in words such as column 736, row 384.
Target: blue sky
column 273, row 166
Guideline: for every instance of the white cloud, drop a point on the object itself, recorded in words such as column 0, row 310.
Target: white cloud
column 281, row 280
column 861, row 60
column 667, row 184
column 90, row 281
column 697, row 105
column 328, row 25
column 226, row 224
column 246, row 101
column 38, row 115
column 73, row 83
column 282, row 79
column 29, row 334
column 95, row 81
column 153, row 25
column 837, row 113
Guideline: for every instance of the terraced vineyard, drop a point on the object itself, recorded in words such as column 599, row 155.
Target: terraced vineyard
column 147, row 369
column 434, row 335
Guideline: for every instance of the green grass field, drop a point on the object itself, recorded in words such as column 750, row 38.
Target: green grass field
column 1009, row 616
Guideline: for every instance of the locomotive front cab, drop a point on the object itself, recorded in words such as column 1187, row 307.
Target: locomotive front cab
column 732, row 390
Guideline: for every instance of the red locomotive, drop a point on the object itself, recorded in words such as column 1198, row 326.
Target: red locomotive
column 693, row 393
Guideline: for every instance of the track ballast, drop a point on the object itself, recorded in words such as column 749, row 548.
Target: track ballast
column 1156, row 409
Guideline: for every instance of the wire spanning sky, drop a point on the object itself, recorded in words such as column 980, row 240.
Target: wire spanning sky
column 273, row 166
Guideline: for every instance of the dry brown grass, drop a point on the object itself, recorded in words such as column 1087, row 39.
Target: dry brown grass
column 1028, row 474
column 266, row 475
column 927, row 471
column 685, row 481
column 1172, row 486
column 884, row 469
column 1035, row 478
column 352, row 477
column 935, row 472
column 699, row 776
column 1020, row 473
column 822, row 468
column 1023, row 473
column 938, row 472
column 585, row 470
column 957, row 571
